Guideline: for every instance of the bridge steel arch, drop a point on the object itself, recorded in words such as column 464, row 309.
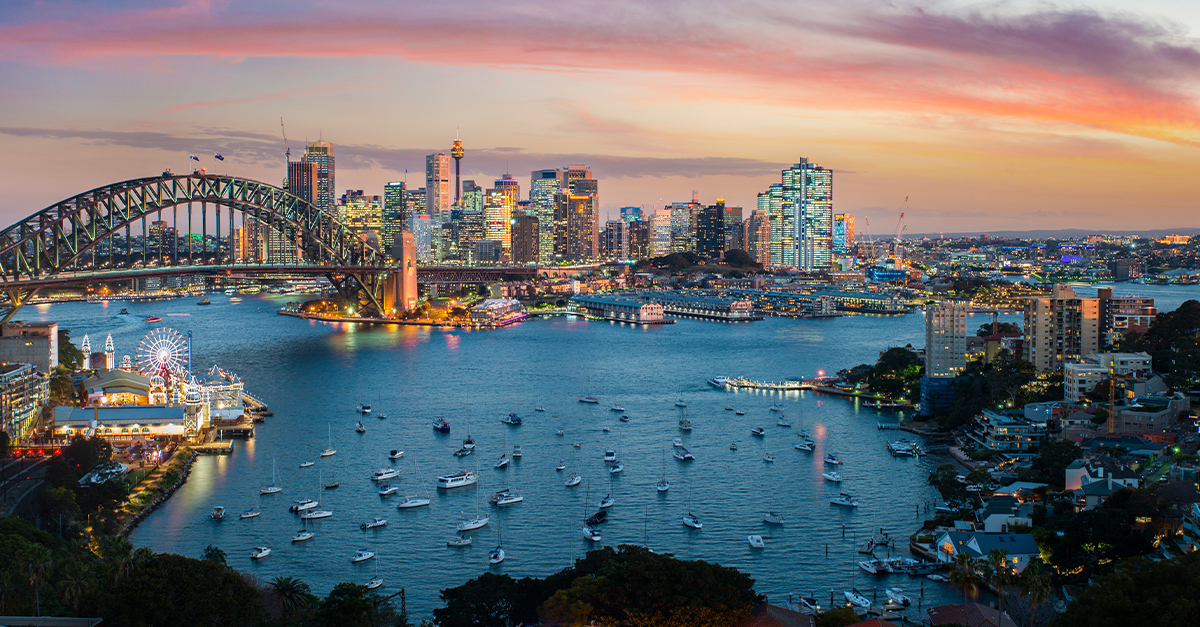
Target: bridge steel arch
column 56, row 240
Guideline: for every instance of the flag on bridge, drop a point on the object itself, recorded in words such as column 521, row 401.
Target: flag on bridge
column 195, row 158
column 218, row 157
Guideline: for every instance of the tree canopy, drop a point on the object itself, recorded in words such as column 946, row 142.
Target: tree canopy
column 1141, row 592
column 1001, row 327
column 1173, row 342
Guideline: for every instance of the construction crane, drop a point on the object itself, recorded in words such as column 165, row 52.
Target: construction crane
column 900, row 228
column 287, row 153
column 870, row 240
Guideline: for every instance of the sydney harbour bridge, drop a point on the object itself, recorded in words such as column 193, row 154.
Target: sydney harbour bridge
column 86, row 240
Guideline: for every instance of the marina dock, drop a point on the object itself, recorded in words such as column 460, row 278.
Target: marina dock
column 873, row 402
column 219, row 447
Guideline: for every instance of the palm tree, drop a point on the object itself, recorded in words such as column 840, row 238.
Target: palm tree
column 999, row 574
column 142, row 556
column 8, row 585
column 1035, row 581
column 36, row 564
column 118, row 552
column 964, row 575
column 294, row 594
column 73, row 583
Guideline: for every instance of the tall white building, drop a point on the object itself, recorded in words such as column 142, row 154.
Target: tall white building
column 439, row 196
column 421, row 227
column 945, row 339
column 809, row 188
column 659, row 244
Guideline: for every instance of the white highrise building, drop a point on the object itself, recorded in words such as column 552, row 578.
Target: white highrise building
column 439, row 194
column 421, row 227
column 659, row 244
column 946, row 339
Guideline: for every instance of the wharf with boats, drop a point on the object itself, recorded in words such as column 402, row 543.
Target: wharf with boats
column 871, row 401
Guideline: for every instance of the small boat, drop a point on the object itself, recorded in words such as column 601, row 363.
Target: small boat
column 517, row 452
column 250, row 513
column 683, row 455
column 573, row 480
column 463, row 452
column 845, row 500
column 505, row 497
column 755, row 541
column 378, row 522
column 235, row 300
column 359, row 427
column 833, row 476
column 473, row 523
column 562, row 465
column 362, row 555
column 591, row 534
column 589, row 399
column 623, row 418
column 441, row 425
column 274, row 487
column 395, row 454
column 771, row 518
column 307, row 464
column 733, row 446
column 680, row 403
column 739, row 413
column 302, row 536
column 364, row 409
column 469, row 442
column 758, row 432
column 898, row 596
column 385, row 473
column 598, row 517
column 316, row 514
column 260, row 552
column 375, row 582
column 218, row 513
column 410, row 502
column 459, row 542
column 856, row 599
column 677, row 442
column 728, row 408
column 383, row 416
column 662, row 485
column 205, row 301
column 936, row 577
column 502, row 462
column 606, row 428
column 774, row 407
column 153, row 319
column 332, row 483
column 124, row 312
column 692, row 521
column 539, row 408
column 685, row 425
column 804, row 445
column 559, row 432
column 810, row 604
column 610, row 457
column 782, row 422
column 496, row 555
column 576, row 445
column 458, row 479
column 767, row 457
column 943, row 509
column 328, row 452
column 303, row 505
column 512, row 420
column 830, row 458
column 874, row 567
column 607, row 502
column 388, row 490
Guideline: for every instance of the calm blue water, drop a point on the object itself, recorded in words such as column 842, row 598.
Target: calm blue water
column 313, row 375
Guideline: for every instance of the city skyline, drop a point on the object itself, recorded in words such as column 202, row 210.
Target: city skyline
column 996, row 117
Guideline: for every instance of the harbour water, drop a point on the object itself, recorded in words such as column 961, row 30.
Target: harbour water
column 314, row 374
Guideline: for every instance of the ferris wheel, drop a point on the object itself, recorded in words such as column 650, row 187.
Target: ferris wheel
column 162, row 352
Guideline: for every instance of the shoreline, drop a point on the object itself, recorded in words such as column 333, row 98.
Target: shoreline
column 135, row 518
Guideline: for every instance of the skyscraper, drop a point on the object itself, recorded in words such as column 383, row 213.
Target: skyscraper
column 613, row 242
column 497, row 216
column 438, row 195
column 302, row 179
column 945, row 339
column 771, row 205
column 710, row 230
column 659, row 244
column 363, row 213
column 421, row 227
column 395, row 215
column 543, row 185
column 472, row 196
column 637, row 238
column 320, row 154
column 525, row 242
column 733, row 229
column 757, row 236
column 579, row 182
column 809, row 187
column 843, row 233
column 1061, row 328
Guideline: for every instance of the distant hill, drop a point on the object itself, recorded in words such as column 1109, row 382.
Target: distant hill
column 1057, row 234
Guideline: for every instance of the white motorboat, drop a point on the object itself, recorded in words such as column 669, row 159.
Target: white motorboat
column 758, row 432
column 517, row 452
column 388, row 490
column 782, row 422
column 874, row 567
column 677, row 442
column 364, row 409
column 302, row 536
column 898, row 596
column 685, row 425
column 811, row 604
column 733, row 446
column 774, row 407
column 502, row 462
column 755, row 541
column 559, row 432
column 378, row 522
column 830, row 458
column 384, row 474
column 463, row 452
column 496, row 555
column 845, row 500
column 576, row 445
column 623, row 418
column 936, row 577
column 592, row 400
column 591, row 534
column 218, row 513
column 458, row 479
column 375, row 581
column 767, row 457
column 509, row 498
column 250, row 513
column 771, row 518
column 562, row 465
column 260, row 552
column 833, row 476
column 303, row 505
column 383, row 416
column 616, row 468
column 512, row 420
column 692, row 521
column 459, row 541
column 856, row 599
column 473, row 523
column 683, row 455
column 739, row 413
column 804, row 445
column 610, row 457
column 728, row 408
column 573, row 480
column 362, row 555
column 606, row 428
column 616, row 407
column 539, row 408
column 307, row 464
column 410, row 502
column 395, row 454
column 360, row 427
column 316, row 514
column 607, row 502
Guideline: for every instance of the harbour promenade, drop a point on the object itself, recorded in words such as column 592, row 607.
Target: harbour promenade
column 809, row 385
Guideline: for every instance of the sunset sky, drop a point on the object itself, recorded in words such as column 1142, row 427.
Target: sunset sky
column 987, row 115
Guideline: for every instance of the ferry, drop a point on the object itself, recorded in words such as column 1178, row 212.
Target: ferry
column 720, row 382
column 458, row 479
column 204, row 300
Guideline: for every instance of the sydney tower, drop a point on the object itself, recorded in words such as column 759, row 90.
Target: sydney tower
column 457, row 152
